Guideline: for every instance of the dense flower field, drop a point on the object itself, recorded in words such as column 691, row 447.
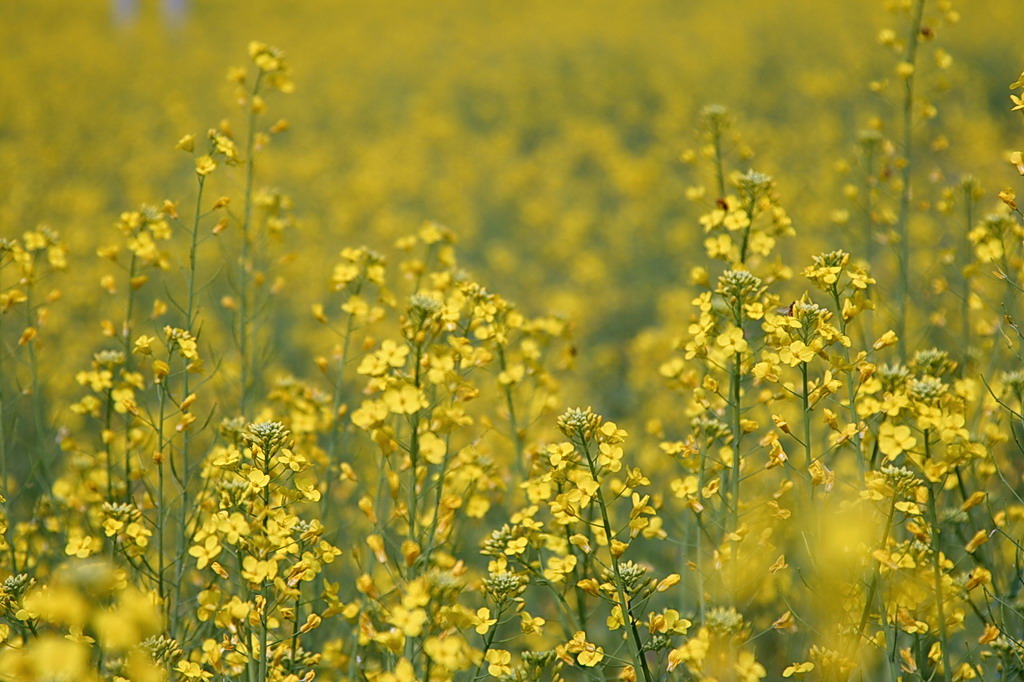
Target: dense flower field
column 481, row 341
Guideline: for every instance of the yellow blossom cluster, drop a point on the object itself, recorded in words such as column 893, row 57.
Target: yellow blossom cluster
column 307, row 418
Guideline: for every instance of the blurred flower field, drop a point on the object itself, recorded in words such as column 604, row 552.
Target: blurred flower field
column 518, row 341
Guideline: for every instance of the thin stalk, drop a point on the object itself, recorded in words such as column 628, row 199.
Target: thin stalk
column 869, row 203
column 517, row 439
column 749, row 208
column 635, row 644
column 581, row 606
column 336, row 430
column 873, row 587
column 37, row 398
column 488, row 642
column 716, row 141
column 735, row 398
column 108, row 411
column 246, row 265
column 562, row 601
column 264, row 586
column 126, row 341
column 870, row 181
column 251, row 665
column 701, row 470
column 805, row 403
column 851, row 392
column 295, row 625
column 161, row 504
column 5, row 490
column 186, row 464
column 965, row 280
column 414, row 450
column 431, row 543
column 264, row 662
column 903, row 220
column 933, row 520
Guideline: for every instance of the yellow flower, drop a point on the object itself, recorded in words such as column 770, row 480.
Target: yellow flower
column 499, row 662
column 144, row 345
column 405, row 400
column 748, row 668
column 904, row 69
column 530, row 624
column 432, row 448
column 885, row 340
column 483, row 621
column 560, row 454
column 258, row 570
column 81, row 546
column 205, row 165
column 893, row 440
column 205, row 552
column 516, row 546
column 979, row 539
column 796, row 353
column 695, row 649
column 370, row 413
column 610, row 457
column 798, row 669
column 587, row 654
column 447, row 652
column 590, row 657
column 187, row 143
column 559, row 567
column 669, row 622
column 720, row 246
column 409, row 621
column 192, row 671
column 615, row 620
column 258, row 479
column 732, row 341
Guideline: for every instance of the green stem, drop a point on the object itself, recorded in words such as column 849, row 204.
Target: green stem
column 414, row 448
column 488, row 642
column 875, row 575
column 38, row 409
column 851, row 392
column 965, row 280
column 699, row 578
column 571, row 617
column 581, row 596
column 108, row 411
column 295, row 625
column 5, row 490
column 719, row 161
column 517, row 439
column 635, row 644
column 933, row 520
column 251, row 665
column 160, row 503
column 246, row 265
column 903, row 220
column 749, row 208
column 869, row 204
column 264, row 586
column 735, row 398
column 326, row 503
column 805, row 403
column 186, row 463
